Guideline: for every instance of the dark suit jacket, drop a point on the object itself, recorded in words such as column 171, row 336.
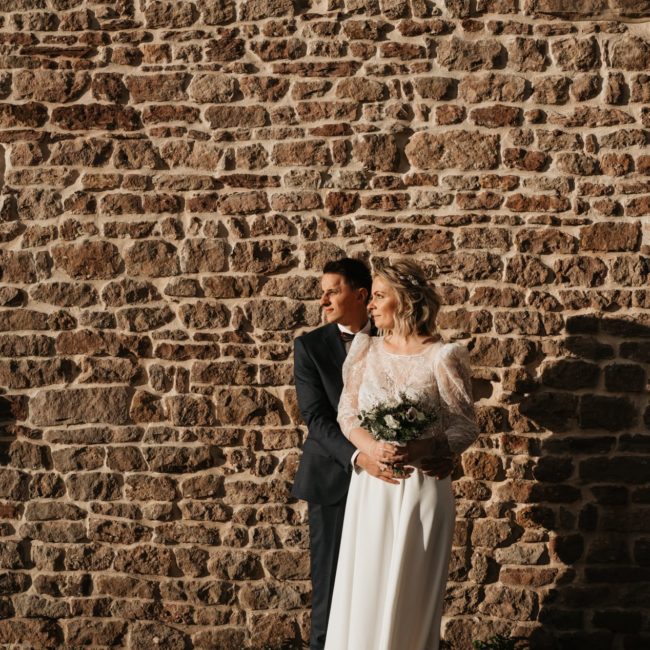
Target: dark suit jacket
column 324, row 472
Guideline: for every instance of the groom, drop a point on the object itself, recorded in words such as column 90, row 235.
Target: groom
column 328, row 457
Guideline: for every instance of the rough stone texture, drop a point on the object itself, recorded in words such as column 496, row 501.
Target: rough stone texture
column 465, row 150
column 174, row 175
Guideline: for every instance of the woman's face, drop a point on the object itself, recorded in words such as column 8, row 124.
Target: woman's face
column 383, row 305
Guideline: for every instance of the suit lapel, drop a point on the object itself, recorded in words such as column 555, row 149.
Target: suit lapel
column 334, row 351
column 335, row 345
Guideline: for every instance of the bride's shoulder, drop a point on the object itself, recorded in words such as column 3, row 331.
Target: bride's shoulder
column 451, row 352
column 361, row 341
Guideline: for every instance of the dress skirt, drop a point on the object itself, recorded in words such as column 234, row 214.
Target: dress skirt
column 393, row 564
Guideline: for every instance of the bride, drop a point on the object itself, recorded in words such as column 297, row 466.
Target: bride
column 396, row 541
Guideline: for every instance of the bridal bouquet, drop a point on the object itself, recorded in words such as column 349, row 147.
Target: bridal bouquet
column 399, row 420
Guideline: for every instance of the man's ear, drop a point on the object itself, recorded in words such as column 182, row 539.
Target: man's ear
column 363, row 294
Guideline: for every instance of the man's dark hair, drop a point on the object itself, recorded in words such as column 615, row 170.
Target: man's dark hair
column 355, row 272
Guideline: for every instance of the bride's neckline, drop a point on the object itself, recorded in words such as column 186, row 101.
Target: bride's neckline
column 382, row 345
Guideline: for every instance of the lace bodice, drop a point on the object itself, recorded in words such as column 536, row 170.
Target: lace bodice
column 372, row 374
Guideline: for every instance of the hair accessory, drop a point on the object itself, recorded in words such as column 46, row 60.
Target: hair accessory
column 411, row 279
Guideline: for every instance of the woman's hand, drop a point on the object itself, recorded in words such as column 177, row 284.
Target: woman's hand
column 388, row 458
column 382, row 471
column 387, row 453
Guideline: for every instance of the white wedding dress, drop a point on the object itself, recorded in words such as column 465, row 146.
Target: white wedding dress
column 396, row 540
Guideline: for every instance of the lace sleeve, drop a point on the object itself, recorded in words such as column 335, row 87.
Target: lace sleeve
column 353, row 370
column 452, row 370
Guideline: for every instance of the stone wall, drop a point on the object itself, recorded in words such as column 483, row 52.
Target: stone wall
column 173, row 177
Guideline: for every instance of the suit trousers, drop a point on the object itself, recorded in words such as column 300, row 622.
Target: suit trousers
column 325, row 527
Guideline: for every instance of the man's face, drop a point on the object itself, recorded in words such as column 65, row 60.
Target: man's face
column 339, row 301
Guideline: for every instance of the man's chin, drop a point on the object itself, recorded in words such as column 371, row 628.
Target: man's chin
column 331, row 317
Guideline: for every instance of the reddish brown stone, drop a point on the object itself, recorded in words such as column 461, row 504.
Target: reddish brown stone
column 260, row 9
column 152, row 258
column 86, row 632
column 169, row 14
column 532, row 161
column 314, row 152
column 542, row 241
column 631, row 53
column 463, row 149
column 90, row 260
column 327, row 70
column 457, row 54
column 83, row 117
column 593, row 117
column 527, row 54
column 576, row 54
column 407, row 241
column 552, row 90
column 614, row 164
column 481, row 201
column 278, row 49
column 640, row 90
column 244, row 203
column 32, row 374
column 262, row 89
column 143, row 559
column 377, row 152
column 585, row 87
column 638, row 207
column 217, row 13
column 578, row 164
column 360, row 90
column 204, row 315
column 212, row 88
column 50, row 85
column 226, row 48
column 76, row 406
column 228, row 117
column 30, row 114
column 448, row 114
column 476, row 88
column 581, row 271
column 539, row 203
column 527, row 271
column 403, row 51
column 437, row 88
column 496, row 116
column 609, row 236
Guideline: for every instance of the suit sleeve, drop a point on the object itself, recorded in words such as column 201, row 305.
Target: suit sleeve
column 316, row 409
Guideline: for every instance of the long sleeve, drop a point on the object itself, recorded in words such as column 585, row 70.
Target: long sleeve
column 452, row 370
column 353, row 370
column 316, row 409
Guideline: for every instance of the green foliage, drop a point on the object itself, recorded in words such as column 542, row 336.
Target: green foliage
column 399, row 420
column 496, row 642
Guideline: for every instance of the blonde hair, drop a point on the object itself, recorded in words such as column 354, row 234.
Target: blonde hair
column 417, row 301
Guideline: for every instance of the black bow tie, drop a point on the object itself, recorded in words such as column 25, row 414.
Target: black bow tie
column 346, row 337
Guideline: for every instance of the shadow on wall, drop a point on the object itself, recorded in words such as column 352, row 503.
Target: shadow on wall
column 569, row 518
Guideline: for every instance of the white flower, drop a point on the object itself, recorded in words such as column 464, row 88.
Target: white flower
column 391, row 422
column 412, row 414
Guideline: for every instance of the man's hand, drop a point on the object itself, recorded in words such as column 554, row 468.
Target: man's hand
column 416, row 450
column 438, row 466
column 380, row 471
